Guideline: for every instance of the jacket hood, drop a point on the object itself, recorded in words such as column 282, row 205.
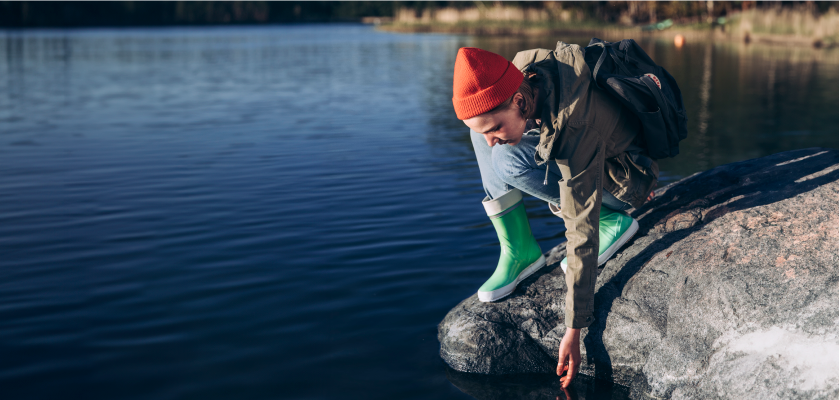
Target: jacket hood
column 564, row 77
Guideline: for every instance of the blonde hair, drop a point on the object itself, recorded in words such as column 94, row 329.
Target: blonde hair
column 529, row 101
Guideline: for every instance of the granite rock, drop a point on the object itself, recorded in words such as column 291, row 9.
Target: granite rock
column 728, row 290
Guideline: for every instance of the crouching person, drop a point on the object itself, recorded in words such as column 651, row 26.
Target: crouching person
column 540, row 126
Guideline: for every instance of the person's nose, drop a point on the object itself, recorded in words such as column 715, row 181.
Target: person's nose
column 490, row 140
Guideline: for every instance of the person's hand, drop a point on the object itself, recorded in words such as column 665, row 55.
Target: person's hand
column 569, row 359
column 652, row 195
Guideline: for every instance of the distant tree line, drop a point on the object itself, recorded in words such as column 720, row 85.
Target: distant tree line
column 155, row 13
column 142, row 13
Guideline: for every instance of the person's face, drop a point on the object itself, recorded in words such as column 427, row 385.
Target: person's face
column 503, row 127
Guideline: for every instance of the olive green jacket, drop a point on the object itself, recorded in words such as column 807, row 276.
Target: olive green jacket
column 593, row 139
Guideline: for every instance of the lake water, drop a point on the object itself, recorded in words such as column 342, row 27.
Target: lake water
column 286, row 212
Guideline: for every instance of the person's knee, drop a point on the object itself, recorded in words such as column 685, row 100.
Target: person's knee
column 508, row 163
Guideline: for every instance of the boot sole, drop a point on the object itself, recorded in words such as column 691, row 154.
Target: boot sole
column 628, row 234
column 503, row 291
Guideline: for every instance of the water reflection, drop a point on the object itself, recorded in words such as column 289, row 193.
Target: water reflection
column 534, row 386
column 703, row 116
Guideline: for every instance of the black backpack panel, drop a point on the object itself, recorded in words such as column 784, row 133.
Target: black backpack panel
column 624, row 70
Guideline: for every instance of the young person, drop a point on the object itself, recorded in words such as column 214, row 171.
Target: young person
column 539, row 125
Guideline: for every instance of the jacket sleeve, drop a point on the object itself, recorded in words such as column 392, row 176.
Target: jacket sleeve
column 581, row 164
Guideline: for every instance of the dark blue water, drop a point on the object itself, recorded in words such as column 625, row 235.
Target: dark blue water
column 285, row 212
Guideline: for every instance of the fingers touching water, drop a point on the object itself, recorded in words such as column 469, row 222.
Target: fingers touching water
column 569, row 357
column 569, row 392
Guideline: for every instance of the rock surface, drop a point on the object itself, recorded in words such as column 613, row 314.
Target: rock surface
column 728, row 290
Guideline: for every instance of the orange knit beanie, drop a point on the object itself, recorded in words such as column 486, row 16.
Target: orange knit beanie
column 482, row 81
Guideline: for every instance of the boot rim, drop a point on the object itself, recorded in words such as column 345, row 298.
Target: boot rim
column 500, row 204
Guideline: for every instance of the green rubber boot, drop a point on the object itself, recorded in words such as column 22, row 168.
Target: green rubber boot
column 614, row 229
column 521, row 255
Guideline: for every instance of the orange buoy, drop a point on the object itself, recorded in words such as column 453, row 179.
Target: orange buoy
column 679, row 41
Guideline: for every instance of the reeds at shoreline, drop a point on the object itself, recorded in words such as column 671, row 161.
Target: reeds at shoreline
column 779, row 21
column 799, row 24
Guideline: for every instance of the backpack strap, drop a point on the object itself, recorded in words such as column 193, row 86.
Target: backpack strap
column 666, row 114
column 599, row 63
column 618, row 63
column 657, row 94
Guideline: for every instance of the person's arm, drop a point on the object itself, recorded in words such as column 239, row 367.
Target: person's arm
column 580, row 204
column 581, row 163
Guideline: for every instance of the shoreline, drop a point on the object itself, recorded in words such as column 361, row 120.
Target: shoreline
column 611, row 32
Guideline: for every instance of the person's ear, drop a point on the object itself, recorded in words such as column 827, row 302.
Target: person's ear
column 518, row 100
